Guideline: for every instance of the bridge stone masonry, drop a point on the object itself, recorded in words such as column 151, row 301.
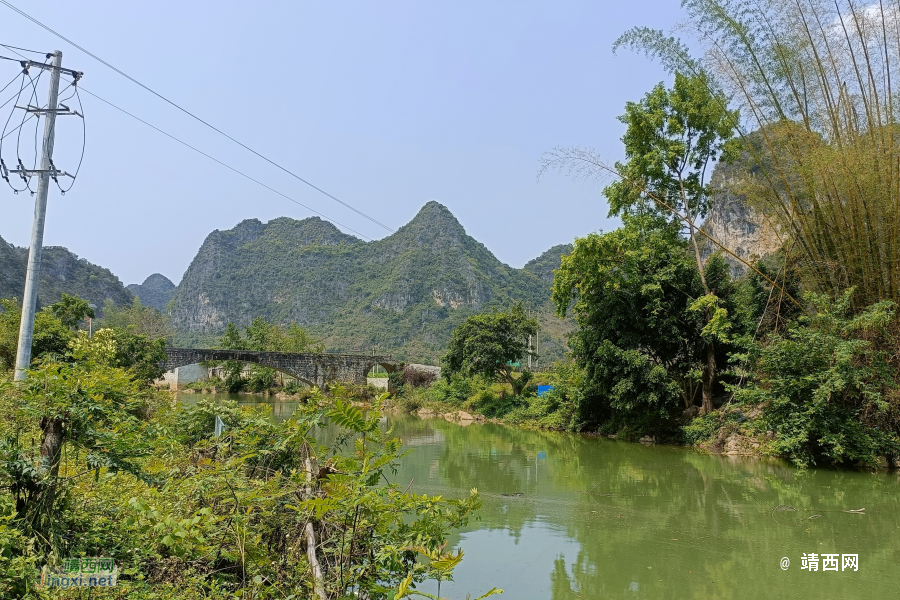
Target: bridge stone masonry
column 313, row 369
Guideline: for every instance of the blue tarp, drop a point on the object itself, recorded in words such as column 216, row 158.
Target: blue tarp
column 543, row 389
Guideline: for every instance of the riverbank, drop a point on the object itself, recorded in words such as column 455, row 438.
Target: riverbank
column 730, row 430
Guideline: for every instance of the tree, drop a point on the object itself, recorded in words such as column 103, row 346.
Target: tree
column 295, row 338
column 137, row 319
column 120, row 348
column 52, row 328
column 672, row 137
column 71, row 310
column 637, row 339
column 263, row 336
column 826, row 387
column 89, row 407
column 487, row 344
column 809, row 81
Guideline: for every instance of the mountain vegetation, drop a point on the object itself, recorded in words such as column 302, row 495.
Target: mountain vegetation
column 61, row 272
column 403, row 294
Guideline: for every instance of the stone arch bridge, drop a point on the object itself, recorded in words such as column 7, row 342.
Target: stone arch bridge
column 313, row 369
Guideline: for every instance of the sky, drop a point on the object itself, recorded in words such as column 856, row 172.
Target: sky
column 384, row 104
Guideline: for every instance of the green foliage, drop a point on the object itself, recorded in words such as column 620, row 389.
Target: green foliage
column 456, row 389
column 261, row 378
column 812, row 163
column 71, row 310
column 760, row 308
column 485, row 344
column 18, row 558
column 262, row 336
column 121, row 348
column 138, row 320
column 671, row 138
column 637, row 340
column 554, row 410
column 89, row 418
column 52, row 329
column 189, row 515
column 829, row 391
column 558, row 408
column 711, row 427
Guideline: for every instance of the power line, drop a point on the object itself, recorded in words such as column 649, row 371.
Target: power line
column 192, row 115
column 23, row 49
column 83, row 141
column 214, row 159
column 4, row 89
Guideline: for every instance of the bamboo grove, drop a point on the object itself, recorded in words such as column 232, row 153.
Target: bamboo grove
column 816, row 83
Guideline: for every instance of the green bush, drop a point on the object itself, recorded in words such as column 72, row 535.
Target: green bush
column 494, row 402
column 18, row 560
column 827, row 386
column 713, row 426
column 261, row 378
column 456, row 390
column 412, row 399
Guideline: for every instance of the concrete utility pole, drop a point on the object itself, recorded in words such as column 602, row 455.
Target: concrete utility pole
column 32, row 276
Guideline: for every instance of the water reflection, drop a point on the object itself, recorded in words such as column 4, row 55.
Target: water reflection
column 569, row 516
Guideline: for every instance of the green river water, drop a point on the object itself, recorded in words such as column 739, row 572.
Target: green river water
column 589, row 517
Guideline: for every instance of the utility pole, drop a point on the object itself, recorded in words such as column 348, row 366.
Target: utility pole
column 529, row 352
column 32, row 276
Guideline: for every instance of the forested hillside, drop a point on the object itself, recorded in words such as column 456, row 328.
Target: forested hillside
column 404, row 293
column 61, row 271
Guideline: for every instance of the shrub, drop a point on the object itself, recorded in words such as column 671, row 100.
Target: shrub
column 414, row 377
column 826, row 384
column 261, row 378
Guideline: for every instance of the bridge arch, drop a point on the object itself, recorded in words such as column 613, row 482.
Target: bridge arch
column 314, row 369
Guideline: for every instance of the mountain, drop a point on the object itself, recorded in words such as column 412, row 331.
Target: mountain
column 733, row 221
column 403, row 294
column 156, row 291
column 544, row 265
column 61, row 271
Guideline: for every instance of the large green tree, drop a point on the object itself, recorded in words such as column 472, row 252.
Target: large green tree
column 486, row 344
column 672, row 137
column 631, row 291
column 71, row 310
column 53, row 328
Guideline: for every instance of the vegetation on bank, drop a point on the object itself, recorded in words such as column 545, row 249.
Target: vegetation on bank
column 821, row 390
column 94, row 461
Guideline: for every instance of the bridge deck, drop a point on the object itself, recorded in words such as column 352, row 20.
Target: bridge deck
column 315, row 369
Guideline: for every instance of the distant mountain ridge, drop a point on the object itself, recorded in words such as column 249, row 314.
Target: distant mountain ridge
column 156, row 291
column 402, row 294
column 61, row 272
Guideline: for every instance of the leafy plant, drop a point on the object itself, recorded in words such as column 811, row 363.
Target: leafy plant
column 487, row 344
column 829, row 392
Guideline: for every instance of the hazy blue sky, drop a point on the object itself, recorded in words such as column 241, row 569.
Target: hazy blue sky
column 384, row 104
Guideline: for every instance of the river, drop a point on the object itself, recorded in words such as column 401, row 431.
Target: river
column 576, row 516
